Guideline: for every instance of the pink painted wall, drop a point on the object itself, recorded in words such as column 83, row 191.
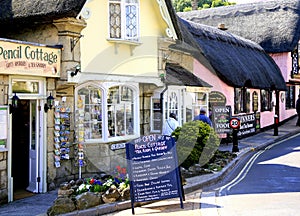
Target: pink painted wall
column 284, row 62
column 267, row 117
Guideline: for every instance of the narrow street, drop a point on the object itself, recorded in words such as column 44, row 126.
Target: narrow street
column 268, row 184
column 265, row 183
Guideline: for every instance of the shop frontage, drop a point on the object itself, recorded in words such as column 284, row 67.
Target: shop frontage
column 25, row 69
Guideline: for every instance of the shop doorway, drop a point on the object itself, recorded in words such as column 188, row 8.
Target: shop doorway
column 25, row 148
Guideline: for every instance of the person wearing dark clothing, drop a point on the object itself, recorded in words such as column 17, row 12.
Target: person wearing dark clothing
column 298, row 110
column 202, row 117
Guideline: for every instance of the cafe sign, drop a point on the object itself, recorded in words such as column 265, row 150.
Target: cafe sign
column 29, row 59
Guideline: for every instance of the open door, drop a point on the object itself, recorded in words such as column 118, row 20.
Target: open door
column 26, row 147
column 34, row 156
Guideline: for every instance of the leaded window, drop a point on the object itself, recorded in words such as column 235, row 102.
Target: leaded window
column 123, row 19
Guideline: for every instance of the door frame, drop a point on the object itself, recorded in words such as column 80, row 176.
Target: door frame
column 42, row 140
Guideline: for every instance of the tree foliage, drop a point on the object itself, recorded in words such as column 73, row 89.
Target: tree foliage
column 187, row 5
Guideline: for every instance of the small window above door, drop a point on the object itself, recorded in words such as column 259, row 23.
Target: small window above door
column 25, row 86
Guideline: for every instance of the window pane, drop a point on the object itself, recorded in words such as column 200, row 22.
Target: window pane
column 290, row 97
column 115, row 20
column 266, row 98
column 199, row 101
column 120, row 111
column 90, row 112
column 131, row 21
column 29, row 87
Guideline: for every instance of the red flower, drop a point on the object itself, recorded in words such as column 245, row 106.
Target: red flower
column 118, row 168
column 92, row 181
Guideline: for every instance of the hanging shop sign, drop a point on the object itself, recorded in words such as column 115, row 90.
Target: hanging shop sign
column 29, row 59
column 217, row 98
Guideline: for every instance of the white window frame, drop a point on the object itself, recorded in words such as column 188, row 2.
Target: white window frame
column 104, row 87
column 123, row 37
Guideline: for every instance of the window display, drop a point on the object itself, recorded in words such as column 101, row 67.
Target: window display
column 116, row 107
column 120, row 111
column 89, row 112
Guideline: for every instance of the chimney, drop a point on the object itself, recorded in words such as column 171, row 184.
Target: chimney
column 222, row 26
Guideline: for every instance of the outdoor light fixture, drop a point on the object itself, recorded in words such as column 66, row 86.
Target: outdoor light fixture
column 77, row 69
column 14, row 103
column 49, row 104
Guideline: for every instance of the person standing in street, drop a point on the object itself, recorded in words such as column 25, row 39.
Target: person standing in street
column 170, row 125
column 298, row 110
column 202, row 117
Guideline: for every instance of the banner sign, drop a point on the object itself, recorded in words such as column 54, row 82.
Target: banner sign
column 153, row 169
column 29, row 59
column 221, row 117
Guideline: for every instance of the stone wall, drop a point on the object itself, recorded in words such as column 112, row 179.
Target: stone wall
column 3, row 177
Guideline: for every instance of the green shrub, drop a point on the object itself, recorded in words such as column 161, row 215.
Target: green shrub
column 196, row 143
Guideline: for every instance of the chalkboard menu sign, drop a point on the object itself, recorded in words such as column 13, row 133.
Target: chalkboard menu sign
column 153, row 169
column 221, row 117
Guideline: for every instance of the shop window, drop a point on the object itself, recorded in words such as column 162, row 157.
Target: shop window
column 155, row 115
column 200, row 100
column 123, row 19
column 266, row 100
column 255, row 101
column 290, row 97
column 120, row 111
column 115, row 104
column 241, row 100
column 172, row 104
column 89, row 100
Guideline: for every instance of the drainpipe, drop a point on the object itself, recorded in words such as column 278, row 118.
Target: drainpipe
column 162, row 104
column 276, row 116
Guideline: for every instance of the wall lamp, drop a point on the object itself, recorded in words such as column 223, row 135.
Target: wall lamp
column 49, row 104
column 14, row 103
column 77, row 69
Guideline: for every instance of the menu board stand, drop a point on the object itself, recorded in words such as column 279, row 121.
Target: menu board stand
column 153, row 169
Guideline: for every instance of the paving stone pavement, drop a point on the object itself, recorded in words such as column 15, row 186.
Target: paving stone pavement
column 39, row 203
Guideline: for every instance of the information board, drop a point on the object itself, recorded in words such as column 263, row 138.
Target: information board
column 153, row 169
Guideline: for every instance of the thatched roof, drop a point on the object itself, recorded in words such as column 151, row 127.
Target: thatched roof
column 177, row 75
column 237, row 61
column 38, row 10
column 274, row 25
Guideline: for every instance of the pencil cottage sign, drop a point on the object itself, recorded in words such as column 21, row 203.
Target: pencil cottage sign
column 29, row 59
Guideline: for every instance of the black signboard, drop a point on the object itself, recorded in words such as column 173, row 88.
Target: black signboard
column 153, row 169
column 248, row 124
column 221, row 117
